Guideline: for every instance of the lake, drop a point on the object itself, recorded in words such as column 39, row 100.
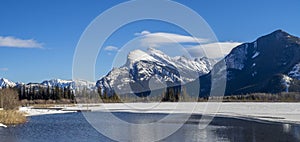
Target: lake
column 73, row 127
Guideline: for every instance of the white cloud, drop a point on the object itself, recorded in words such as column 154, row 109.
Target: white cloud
column 161, row 38
column 196, row 47
column 10, row 41
column 212, row 50
column 111, row 48
column 3, row 69
column 142, row 33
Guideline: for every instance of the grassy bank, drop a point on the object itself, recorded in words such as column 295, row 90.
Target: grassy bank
column 12, row 117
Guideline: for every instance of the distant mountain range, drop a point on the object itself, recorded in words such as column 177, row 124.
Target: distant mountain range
column 70, row 84
column 270, row 64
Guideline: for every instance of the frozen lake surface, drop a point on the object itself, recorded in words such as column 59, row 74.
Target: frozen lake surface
column 73, row 127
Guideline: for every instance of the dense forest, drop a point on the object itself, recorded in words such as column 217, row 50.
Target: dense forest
column 45, row 93
column 36, row 94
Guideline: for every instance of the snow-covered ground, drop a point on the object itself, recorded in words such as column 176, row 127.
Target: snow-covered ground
column 2, row 125
column 30, row 111
column 278, row 112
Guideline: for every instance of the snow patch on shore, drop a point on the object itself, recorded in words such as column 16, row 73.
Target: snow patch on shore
column 30, row 111
column 2, row 125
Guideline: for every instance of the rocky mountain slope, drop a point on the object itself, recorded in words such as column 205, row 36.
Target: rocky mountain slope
column 269, row 64
column 153, row 67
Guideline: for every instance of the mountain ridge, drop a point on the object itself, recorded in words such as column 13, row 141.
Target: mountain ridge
column 269, row 64
column 261, row 65
column 71, row 84
column 153, row 64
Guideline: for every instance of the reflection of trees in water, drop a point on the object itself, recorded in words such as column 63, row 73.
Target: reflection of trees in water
column 296, row 132
column 256, row 130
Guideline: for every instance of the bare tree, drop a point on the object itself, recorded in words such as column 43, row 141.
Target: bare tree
column 9, row 99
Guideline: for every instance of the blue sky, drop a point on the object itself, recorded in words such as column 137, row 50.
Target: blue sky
column 38, row 38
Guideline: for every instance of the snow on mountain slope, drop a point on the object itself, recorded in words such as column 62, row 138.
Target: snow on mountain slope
column 59, row 83
column 295, row 72
column 5, row 83
column 286, row 81
column 72, row 84
column 270, row 64
column 142, row 66
column 84, row 83
column 139, row 55
column 237, row 57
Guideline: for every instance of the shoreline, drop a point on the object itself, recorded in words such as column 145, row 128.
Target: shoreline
column 31, row 111
column 267, row 111
column 2, row 125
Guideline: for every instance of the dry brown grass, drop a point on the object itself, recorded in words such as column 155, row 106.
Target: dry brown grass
column 12, row 117
column 51, row 105
column 43, row 105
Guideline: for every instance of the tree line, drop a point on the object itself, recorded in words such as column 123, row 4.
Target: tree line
column 38, row 92
column 31, row 94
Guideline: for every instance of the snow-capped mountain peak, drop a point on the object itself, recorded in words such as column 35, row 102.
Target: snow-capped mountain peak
column 5, row 83
column 139, row 55
column 142, row 66
column 162, row 57
column 58, row 83
column 72, row 84
column 157, row 53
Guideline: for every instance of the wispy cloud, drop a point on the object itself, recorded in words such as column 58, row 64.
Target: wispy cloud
column 3, row 69
column 162, row 38
column 111, row 48
column 196, row 47
column 14, row 42
column 212, row 50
